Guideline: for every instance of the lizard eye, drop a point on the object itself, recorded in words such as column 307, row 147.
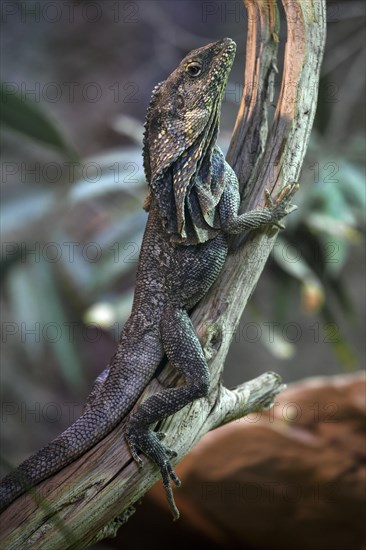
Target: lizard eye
column 194, row 68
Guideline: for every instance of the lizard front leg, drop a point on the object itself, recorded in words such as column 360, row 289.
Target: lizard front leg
column 184, row 350
column 274, row 210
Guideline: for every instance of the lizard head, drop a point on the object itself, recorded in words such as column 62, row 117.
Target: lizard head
column 192, row 94
column 181, row 129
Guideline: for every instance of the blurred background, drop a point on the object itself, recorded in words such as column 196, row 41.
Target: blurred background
column 76, row 82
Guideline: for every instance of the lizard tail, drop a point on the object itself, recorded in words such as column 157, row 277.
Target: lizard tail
column 88, row 430
column 114, row 394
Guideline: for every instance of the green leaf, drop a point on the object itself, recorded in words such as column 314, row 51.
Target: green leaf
column 26, row 117
column 353, row 186
column 334, row 336
column 39, row 313
column 25, row 310
column 53, row 315
column 19, row 213
column 296, row 267
column 120, row 171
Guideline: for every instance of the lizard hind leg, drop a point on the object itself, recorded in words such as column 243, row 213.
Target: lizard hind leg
column 184, row 350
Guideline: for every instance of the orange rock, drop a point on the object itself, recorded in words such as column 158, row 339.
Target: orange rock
column 292, row 477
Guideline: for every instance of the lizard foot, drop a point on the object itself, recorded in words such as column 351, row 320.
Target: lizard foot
column 150, row 444
column 281, row 205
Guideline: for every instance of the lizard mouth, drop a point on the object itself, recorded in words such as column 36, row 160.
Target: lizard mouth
column 225, row 50
column 226, row 44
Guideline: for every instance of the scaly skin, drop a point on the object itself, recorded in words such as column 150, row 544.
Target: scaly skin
column 193, row 206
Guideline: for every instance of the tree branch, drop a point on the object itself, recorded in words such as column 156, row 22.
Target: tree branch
column 89, row 499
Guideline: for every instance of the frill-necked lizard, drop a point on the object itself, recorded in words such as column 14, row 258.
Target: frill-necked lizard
column 193, row 204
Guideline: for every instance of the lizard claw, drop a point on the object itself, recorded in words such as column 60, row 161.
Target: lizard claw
column 168, row 473
column 149, row 443
column 169, row 452
column 268, row 199
column 133, row 450
column 281, row 205
column 279, row 225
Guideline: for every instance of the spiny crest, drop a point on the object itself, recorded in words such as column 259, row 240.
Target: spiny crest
column 145, row 146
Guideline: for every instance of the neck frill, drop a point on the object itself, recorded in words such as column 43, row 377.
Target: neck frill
column 185, row 176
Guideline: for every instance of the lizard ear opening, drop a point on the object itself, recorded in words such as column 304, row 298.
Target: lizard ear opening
column 179, row 102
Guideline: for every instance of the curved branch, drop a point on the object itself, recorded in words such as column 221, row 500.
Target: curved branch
column 251, row 127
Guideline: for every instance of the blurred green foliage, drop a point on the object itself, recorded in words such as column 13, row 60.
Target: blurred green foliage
column 26, row 117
